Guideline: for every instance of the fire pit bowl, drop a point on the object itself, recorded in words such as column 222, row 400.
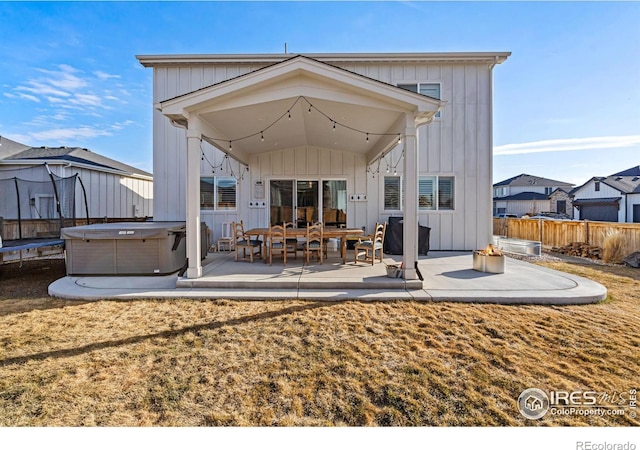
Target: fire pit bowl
column 489, row 260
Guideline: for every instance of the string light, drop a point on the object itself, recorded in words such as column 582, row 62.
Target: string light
column 287, row 113
column 226, row 161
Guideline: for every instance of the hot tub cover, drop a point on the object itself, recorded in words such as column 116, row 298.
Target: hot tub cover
column 123, row 230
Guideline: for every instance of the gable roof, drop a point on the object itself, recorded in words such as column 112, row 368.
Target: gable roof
column 531, row 180
column 235, row 110
column 631, row 172
column 9, row 147
column 623, row 184
column 75, row 155
column 523, row 196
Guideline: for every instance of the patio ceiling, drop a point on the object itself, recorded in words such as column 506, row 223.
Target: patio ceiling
column 268, row 110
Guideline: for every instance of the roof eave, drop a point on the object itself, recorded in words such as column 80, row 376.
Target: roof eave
column 270, row 58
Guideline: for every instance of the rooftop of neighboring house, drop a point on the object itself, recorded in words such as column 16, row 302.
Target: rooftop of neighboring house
column 626, row 181
column 524, row 196
column 532, row 180
column 631, row 172
column 76, row 155
column 9, row 147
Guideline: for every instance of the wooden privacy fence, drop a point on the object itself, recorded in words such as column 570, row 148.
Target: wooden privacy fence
column 558, row 233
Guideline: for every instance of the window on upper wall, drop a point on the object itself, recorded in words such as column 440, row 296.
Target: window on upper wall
column 430, row 89
column 436, row 193
column 548, row 190
column 597, row 186
column 218, row 193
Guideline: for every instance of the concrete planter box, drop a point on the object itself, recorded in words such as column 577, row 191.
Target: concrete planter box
column 518, row 246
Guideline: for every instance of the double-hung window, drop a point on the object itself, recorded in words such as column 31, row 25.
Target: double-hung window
column 430, row 89
column 436, row 193
column 218, row 193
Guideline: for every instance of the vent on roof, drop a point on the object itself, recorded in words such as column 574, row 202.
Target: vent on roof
column 635, row 178
column 618, row 178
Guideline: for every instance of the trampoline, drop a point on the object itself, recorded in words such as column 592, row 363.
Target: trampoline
column 32, row 212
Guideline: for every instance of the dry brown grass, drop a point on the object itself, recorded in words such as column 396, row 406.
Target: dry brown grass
column 614, row 247
column 295, row 363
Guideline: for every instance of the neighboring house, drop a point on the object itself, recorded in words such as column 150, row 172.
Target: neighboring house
column 113, row 189
column 360, row 137
column 615, row 198
column 531, row 195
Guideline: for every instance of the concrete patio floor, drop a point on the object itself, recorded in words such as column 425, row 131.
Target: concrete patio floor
column 448, row 276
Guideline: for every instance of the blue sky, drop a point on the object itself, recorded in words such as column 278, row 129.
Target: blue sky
column 566, row 103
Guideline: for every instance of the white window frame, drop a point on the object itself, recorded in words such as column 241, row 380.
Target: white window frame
column 418, row 85
column 215, row 206
column 400, row 193
column 436, row 193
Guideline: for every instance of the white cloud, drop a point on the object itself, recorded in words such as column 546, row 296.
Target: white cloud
column 564, row 145
column 86, row 100
column 64, row 77
column 40, row 88
column 68, row 134
column 33, row 98
column 104, row 76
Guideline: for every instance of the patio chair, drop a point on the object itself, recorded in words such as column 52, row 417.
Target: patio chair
column 314, row 242
column 292, row 243
column 325, row 241
column 244, row 242
column 277, row 242
column 367, row 246
column 226, row 239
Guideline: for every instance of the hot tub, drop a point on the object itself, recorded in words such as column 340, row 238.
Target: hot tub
column 125, row 248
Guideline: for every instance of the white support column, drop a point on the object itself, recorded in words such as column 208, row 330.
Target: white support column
column 410, row 231
column 194, row 134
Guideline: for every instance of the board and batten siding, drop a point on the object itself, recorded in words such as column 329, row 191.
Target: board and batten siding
column 606, row 191
column 112, row 195
column 108, row 194
column 457, row 144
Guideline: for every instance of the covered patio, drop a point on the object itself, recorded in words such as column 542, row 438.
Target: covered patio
column 448, row 276
column 296, row 103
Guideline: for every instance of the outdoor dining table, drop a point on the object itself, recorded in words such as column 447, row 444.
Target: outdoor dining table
column 327, row 233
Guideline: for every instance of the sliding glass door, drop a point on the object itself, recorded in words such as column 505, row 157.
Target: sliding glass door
column 307, row 203
column 302, row 202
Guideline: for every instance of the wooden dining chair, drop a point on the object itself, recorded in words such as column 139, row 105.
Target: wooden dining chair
column 367, row 246
column 314, row 242
column 325, row 241
column 277, row 242
column 244, row 242
column 292, row 242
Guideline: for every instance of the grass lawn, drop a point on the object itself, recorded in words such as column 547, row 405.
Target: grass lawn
column 295, row 363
